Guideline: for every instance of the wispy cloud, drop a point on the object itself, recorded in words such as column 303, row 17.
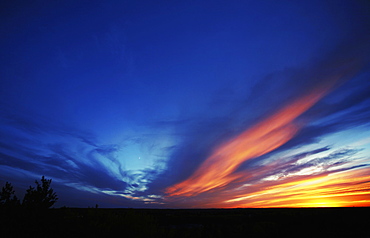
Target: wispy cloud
column 226, row 170
column 308, row 179
column 218, row 170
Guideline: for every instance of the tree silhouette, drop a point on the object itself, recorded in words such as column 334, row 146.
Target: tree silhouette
column 7, row 197
column 41, row 197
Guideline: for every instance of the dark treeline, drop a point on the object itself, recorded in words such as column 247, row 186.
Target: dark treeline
column 40, row 197
column 32, row 218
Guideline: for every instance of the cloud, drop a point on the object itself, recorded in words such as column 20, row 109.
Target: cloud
column 65, row 154
column 345, row 106
column 217, row 170
column 306, row 179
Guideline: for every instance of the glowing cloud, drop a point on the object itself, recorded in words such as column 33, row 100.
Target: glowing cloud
column 218, row 169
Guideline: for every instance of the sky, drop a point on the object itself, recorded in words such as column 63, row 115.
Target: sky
column 187, row 104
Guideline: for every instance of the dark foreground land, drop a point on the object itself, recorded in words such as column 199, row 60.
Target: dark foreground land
column 91, row 222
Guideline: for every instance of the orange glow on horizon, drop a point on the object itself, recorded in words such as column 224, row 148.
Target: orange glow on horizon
column 345, row 189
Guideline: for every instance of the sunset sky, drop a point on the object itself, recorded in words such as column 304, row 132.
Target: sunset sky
column 187, row 104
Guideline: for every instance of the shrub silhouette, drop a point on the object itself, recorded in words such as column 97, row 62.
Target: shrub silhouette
column 41, row 197
column 7, row 197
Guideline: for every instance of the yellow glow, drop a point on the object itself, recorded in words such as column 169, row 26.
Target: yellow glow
column 351, row 188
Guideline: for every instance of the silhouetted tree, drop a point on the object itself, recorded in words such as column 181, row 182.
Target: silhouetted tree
column 41, row 197
column 7, row 197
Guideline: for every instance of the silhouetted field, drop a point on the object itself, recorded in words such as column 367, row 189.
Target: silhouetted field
column 92, row 222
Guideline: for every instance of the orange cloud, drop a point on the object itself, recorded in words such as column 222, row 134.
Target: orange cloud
column 216, row 183
column 218, row 169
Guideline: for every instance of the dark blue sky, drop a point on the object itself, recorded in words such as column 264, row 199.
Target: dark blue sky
column 119, row 101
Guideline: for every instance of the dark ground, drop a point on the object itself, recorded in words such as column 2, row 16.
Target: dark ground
column 272, row 222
